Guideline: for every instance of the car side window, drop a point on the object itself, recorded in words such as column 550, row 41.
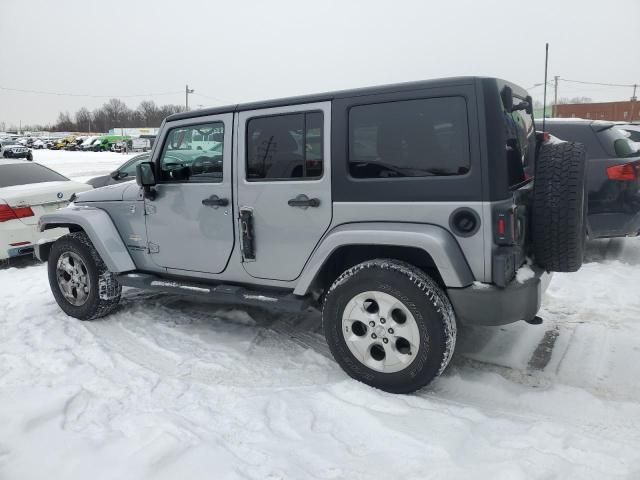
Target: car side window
column 130, row 167
column 193, row 154
column 409, row 138
column 285, row 147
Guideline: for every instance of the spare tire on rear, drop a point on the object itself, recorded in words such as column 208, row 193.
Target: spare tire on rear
column 559, row 207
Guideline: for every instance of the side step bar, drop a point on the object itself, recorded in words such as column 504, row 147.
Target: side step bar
column 221, row 293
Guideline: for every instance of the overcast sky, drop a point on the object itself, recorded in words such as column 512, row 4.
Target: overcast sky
column 235, row 51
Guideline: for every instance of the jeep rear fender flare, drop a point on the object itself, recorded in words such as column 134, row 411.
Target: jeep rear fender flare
column 99, row 227
column 434, row 240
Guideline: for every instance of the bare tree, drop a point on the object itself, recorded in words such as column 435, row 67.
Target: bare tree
column 64, row 122
column 83, row 119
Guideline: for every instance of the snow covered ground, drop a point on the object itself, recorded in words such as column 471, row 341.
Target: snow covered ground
column 168, row 388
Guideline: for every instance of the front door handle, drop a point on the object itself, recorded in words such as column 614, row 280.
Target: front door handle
column 215, row 202
column 303, row 201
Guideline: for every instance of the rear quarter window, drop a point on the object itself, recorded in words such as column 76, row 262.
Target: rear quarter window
column 411, row 138
column 27, row 173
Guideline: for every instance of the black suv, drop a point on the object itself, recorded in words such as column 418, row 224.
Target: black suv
column 613, row 174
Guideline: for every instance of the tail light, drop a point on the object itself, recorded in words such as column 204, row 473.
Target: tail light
column 12, row 213
column 627, row 172
column 509, row 227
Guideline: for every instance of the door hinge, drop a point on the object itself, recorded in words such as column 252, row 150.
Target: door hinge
column 149, row 209
column 153, row 248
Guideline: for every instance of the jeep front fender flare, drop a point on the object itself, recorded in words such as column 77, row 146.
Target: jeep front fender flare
column 434, row 240
column 99, row 227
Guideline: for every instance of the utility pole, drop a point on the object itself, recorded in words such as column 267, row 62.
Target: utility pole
column 187, row 91
column 633, row 101
column 555, row 95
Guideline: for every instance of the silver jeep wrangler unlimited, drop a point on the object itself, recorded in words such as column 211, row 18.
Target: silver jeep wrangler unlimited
column 400, row 211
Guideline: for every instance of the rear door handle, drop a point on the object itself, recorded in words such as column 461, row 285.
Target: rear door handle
column 215, row 202
column 304, row 202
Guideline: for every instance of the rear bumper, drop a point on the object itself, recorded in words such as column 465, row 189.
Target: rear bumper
column 26, row 236
column 485, row 304
column 603, row 225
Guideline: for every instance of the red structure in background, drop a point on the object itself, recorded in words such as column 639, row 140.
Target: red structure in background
column 626, row 111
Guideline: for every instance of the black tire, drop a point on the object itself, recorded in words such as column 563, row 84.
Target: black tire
column 104, row 294
column 422, row 297
column 30, row 157
column 559, row 207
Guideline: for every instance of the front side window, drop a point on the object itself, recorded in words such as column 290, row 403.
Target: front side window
column 285, row 147
column 411, row 138
column 193, row 154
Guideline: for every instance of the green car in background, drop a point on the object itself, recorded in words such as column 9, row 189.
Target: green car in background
column 105, row 142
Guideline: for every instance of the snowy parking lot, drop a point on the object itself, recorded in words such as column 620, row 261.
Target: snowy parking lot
column 169, row 387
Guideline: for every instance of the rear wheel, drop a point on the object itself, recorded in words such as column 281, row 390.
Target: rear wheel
column 389, row 325
column 559, row 207
column 79, row 279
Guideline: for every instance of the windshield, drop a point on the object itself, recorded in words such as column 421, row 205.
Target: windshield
column 27, row 173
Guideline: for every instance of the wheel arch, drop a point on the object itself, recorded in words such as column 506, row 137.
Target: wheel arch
column 429, row 247
column 100, row 229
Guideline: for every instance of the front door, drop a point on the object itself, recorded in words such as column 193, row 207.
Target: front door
column 190, row 220
column 284, row 187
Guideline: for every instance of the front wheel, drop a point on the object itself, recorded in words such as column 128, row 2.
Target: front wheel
column 389, row 325
column 80, row 281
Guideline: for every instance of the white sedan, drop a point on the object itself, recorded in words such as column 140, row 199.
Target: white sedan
column 27, row 190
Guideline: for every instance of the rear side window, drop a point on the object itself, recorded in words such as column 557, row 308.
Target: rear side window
column 27, row 173
column 285, row 147
column 411, row 138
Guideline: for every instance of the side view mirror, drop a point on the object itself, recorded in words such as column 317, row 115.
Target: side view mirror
column 115, row 175
column 521, row 106
column 146, row 178
column 529, row 108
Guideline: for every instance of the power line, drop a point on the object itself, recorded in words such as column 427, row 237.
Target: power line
column 597, row 83
column 59, row 94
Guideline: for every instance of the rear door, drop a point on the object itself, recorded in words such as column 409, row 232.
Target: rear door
column 190, row 220
column 284, row 186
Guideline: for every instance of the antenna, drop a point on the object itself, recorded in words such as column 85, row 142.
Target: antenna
column 544, row 98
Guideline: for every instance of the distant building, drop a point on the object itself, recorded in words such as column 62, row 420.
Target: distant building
column 619, row 111
column 134, row 132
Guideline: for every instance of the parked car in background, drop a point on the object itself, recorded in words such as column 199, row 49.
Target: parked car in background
column 39, row 144
column 613, row 172
column 139, row 145
column 90, row 144
column 75, row 144
column 125, row 173
column 28, row 190
column 107, row 142
column 15, row 150
column 63, row 142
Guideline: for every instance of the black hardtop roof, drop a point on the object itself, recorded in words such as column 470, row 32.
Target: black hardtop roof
column 323, row 97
